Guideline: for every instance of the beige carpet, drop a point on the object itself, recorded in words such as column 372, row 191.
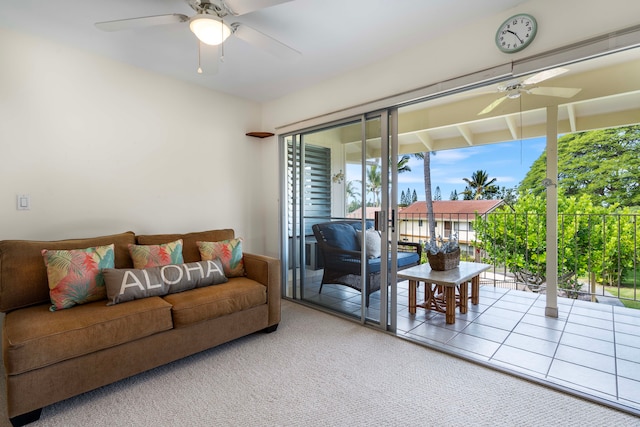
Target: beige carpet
column 320, row 370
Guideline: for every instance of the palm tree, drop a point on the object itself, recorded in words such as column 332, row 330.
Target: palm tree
column 426, row 159
column 480, row 186
column 352, row 191
column 374, row 183
column 402, row 164
column 374, row 178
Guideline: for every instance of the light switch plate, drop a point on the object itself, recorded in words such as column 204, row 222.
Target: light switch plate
column 24, row 202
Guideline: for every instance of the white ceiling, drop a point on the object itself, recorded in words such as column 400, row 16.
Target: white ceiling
column 334, row 36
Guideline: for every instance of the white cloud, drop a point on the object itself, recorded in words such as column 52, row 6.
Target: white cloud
column 410, row 178
column 450, row 156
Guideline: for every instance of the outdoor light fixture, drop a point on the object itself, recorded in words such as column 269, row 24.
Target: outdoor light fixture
column 209, row 29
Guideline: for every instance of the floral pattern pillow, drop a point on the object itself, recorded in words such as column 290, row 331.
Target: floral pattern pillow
column 75, row 276
column 228, row 251
column 148, row 256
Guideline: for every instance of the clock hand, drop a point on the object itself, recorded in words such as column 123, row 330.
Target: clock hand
column 518, row 37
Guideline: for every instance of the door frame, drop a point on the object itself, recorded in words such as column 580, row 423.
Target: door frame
column 388, row 127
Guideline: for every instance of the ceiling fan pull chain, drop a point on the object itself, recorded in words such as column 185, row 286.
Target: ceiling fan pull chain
column 222, row 44
column 199, row 67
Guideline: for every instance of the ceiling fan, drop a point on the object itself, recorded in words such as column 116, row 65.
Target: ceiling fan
column 209, row 26
column 516, row 88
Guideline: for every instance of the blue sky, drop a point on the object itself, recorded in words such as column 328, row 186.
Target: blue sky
column 509, row 162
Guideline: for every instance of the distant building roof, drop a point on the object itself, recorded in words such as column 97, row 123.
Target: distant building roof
column 440, row 208
column 453, row 207
column 370, row 212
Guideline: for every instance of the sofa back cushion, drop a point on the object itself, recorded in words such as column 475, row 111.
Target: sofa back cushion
column 23, row 274
column 190, row 251
column 340, row 235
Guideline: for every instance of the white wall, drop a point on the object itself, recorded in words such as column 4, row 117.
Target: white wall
column 103, row 147
column 459, row 52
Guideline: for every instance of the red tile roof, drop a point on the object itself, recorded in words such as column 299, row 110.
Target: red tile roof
column 358, row 212
column 457, row 207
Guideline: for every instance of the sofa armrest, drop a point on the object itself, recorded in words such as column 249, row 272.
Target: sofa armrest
column 266, row 270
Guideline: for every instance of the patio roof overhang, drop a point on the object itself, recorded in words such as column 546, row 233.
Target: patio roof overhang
column 609, row 97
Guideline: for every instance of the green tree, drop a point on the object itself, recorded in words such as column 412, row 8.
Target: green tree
column 480, row 186
column 354, row 205
column 374, row 184
column 454, row 195
column 591, row 238
column 352, row 191
column 509, row 195
column 437, row 195
column 406, row 198
column 403, row 164
column 403, row 199
column 603, row 164
column 374, row 179
column 467, row 194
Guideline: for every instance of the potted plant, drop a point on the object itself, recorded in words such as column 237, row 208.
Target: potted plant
column 443, row 255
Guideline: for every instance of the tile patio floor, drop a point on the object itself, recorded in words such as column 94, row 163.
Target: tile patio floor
column 591, row 350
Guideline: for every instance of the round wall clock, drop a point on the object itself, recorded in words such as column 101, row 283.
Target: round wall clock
column 516, row 33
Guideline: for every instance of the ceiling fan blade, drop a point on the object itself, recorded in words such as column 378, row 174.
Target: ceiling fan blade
column 562, row 92
column 493, row 105
column 264, row 42
column 240, row 7
column 145, row 21
column 208, row 59
column 544, row 75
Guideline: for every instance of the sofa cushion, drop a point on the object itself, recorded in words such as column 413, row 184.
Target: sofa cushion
column 228, row 251
column 201, row 304
column 147, row 256
column 75, row 276
column 34, row 337
column 130, row 283
column 342, row 236
column 23, row 275
column 373, row 243
column 190, row 252
column 404, row 259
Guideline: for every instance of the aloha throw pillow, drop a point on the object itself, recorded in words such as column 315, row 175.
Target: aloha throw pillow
column 75, row 275
column 147, row 256
column 373, row 242
column 127, row 284
column 228, row 251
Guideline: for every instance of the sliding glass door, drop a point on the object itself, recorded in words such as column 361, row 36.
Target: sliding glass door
column 337, row 184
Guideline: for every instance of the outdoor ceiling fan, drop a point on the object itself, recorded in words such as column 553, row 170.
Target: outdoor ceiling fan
column 517, row 88
column 210, row 28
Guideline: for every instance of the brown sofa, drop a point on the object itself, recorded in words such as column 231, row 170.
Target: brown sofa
column 51, row 356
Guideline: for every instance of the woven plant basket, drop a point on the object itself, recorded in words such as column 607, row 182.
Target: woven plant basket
column 443, row 262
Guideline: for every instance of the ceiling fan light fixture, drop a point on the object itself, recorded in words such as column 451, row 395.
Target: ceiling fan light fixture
column 209, row 29
column 514, row 94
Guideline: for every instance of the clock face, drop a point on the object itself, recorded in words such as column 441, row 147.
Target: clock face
column 516, row 33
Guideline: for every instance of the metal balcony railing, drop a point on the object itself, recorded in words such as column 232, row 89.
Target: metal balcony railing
column 597, row 253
